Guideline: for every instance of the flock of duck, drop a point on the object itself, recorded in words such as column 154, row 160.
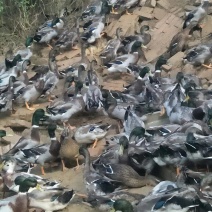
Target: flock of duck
column 135, row 157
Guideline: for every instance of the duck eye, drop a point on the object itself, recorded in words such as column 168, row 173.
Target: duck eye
column 91, row 129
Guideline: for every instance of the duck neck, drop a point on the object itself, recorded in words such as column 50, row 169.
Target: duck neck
column 53, row 66
column 87, row 161
column 118, row 33
column 52, row 135
column 26, row 78
column 35, row 128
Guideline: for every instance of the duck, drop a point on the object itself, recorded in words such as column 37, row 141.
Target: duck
column 93, row 95
column 45, row 153
column 6, row 98
column 83, row 63
column 112, row 108
column 199, row 55
column 9, row 175
column 180, row 114
column 121, row 63
column 143, row 37
column 26, row 53
column 176, row 199
column 110, row 50
column 69, row 149
column 51, row 23
column 180, row 41
column 63, row 109
column 52, row 199
column 34, row 138
column 131, row 120
column 18, row 83
column 4, row 142
column 117, row 153
column 94, row 31
column 123, row 205
column 30, row 93
column 91, row 133
column 128, row 4
column 94, row 9
column 126, row 175
column 51, row 78
column 20, row 201
column 96, row 184
column 197, row 16
column 46, row 34
column 68, row 38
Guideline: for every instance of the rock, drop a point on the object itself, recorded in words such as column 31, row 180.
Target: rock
column 205, row 86
column 142, row 3
column 203, row 81
column 159, row 13
column 163, row 4
column 176, row 60
column 189, row 69
column 16, row 124
column 181, row 14
column 166, row 68
column 145, row 13
column 189, row 8
column 210, row 87
column 153, row 3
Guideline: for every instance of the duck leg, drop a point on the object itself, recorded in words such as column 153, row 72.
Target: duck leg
column 113, row 11
column 95, row 143
column 128, row 12
column 49, row 46
column 68, row 125
column 81, row 195
column 63, row 166
column 49, row 99
column 177, row 171
column 75, row 48
column 77, row 160
column 42, row 170
column 28, row 107
column 163, row 111
column 206, row 66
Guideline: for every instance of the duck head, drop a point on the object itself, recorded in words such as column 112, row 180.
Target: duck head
column 2, row 133
column 124, row 144
column 51, row 130
column 29, row 41
column 25, row 183
column 161, row 61
column 8, row 165
column 37, row 116
column 122, row 205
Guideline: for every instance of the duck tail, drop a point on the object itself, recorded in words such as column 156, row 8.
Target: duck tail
column 105, row 127
column 66, row 197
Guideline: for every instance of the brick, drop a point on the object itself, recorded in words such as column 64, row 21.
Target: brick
column 153, row 3
column 166, row 68
column 164, row 4
column 189, row 8
column 144, row 12
column 159, row 13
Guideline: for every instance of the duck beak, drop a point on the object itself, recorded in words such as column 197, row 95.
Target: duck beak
column 121, row 150
column 142, row 46
column 38, row 187
column 186, row 99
